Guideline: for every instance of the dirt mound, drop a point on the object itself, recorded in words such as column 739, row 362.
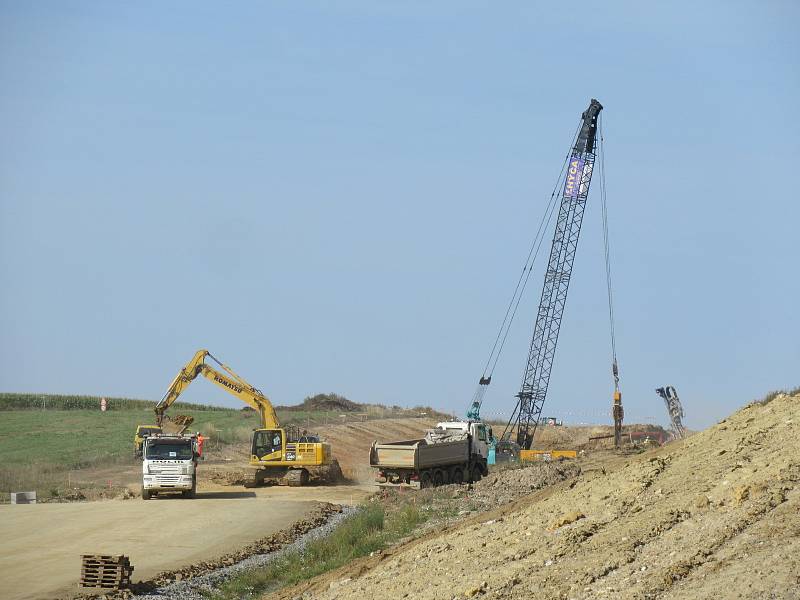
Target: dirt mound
column 572, row 437
column 240, row 476
column 715, row 515
column 449, row 504
column 328, row 402
column 501, row 487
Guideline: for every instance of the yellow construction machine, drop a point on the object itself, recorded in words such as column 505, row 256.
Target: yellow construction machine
column 143, row 431
column 281, row 455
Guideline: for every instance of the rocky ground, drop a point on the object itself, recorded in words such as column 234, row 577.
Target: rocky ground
column 502, row 487
column 716, row 515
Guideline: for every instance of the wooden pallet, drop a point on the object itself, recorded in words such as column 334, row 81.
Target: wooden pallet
column 106, row 571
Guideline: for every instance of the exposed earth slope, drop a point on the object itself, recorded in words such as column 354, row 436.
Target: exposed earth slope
column 714, row 516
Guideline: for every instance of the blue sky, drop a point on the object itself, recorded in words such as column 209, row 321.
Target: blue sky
column 338, row 197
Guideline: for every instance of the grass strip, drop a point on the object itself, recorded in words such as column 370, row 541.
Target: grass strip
column 371, row 528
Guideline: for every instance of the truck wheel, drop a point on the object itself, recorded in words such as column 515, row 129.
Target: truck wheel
column 458, row 476
column 476, row 474
column 425, row 480
column 438, row 478
column 145, row 494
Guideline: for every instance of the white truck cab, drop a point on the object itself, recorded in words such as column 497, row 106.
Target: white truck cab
column 480, row 432
column 169, row 464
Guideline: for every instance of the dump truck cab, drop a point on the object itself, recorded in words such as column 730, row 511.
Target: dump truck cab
column 480, row 433
column 169, row 464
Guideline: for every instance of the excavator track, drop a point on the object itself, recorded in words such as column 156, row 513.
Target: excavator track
column 320, row 475
column 296, row 478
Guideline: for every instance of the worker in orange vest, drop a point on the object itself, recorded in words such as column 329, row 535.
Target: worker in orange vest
column 200, row 440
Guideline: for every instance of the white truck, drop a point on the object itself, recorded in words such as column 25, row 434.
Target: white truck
column 169, row 464
column 454, row 452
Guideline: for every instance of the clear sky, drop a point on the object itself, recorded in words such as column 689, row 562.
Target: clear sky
column 339, row 197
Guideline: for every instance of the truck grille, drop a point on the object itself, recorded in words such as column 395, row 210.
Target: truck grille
column 167, row 471
column 167, row 479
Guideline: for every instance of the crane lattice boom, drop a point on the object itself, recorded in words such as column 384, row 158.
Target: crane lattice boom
column 536, row 379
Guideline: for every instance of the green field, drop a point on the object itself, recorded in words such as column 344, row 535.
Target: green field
column 47, row 442
column 81, row 438
column 47, row 450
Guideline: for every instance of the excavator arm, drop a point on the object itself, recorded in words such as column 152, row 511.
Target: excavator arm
column 279, row 455
column 229, row 381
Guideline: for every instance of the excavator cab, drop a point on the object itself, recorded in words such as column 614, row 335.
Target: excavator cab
column 268, row 444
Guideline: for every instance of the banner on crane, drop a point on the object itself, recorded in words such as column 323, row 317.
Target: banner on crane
column 574, row 174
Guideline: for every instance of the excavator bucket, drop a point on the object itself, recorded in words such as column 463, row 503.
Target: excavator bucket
column 176, row 425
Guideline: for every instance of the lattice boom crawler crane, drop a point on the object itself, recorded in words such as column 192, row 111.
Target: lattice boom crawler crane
column 536, row 379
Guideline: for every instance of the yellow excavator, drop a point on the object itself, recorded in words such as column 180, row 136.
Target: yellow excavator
column 280, row 455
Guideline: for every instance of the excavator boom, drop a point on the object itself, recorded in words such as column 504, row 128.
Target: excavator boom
column 246, row 393
column 230, row 382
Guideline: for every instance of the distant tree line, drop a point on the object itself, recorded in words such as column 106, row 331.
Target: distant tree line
column 12, row 401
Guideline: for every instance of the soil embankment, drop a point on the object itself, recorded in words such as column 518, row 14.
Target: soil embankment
column 714, row 516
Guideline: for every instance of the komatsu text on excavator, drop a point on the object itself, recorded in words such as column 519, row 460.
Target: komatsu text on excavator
column 280, row 455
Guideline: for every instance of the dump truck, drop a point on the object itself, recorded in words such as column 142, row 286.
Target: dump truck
column 453, row 452
column 169, row 464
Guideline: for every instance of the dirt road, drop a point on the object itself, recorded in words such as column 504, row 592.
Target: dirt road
column 42, row 543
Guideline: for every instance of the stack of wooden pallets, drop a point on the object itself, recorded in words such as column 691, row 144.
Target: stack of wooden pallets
column 106, row 571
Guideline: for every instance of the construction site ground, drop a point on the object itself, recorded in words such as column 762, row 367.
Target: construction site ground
column 157, row 535
column 716, row 515
column 169, row 533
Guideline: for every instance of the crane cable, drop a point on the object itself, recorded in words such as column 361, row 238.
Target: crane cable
column 607, row 252
column 522, row 282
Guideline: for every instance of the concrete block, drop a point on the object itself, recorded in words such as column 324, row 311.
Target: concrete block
column 23, row 497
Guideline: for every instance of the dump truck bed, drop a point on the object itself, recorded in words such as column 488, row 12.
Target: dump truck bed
column 419, row 454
